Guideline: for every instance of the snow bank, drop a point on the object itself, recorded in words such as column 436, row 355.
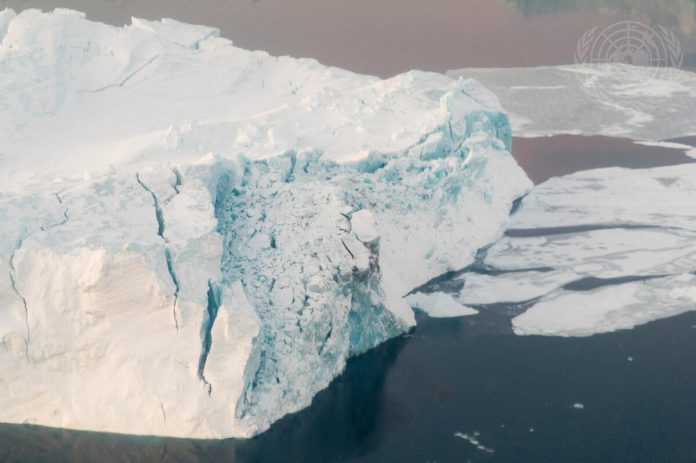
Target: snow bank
column 196, row 237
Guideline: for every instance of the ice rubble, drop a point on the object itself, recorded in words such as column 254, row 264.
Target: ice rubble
column 552, row 100
column 196, row 237
column 621, row 252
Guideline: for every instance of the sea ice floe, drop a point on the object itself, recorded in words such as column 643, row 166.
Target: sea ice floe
column 688, row 149
column 594, row 252
column 439, row 304
column 615, row 197
column 483, row 289
column 632, row 103
column 610, row 308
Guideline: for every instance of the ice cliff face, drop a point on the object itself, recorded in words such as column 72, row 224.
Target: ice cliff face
column 196, row 237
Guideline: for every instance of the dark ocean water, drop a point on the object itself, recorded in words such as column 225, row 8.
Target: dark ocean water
column 546, row 157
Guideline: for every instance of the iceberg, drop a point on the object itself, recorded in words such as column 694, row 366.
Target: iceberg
column 196, row 237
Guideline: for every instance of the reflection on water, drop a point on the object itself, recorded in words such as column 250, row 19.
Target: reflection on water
column 544, row 7
column 546, row 157
column 666, row 13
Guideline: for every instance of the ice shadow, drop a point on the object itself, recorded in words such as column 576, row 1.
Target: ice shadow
column 340, row 423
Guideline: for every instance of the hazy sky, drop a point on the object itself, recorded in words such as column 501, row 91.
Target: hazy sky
column 381, row 37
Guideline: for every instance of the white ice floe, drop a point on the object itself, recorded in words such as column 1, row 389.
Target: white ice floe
column 594, row 252
column 552, row 100
column 660, row 197
column 482, row 289
column 604, row 253
column 688, row 149
column 196, row 237
column 606, row 309
column 439, row 305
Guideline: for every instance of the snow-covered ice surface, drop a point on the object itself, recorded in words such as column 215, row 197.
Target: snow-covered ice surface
column 595, row 251
column 553, row 100
column 607, row 197
column 196, row 237
column 606, row 309
column 439, row 304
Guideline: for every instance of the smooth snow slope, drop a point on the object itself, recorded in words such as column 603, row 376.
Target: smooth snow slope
column 196, row 237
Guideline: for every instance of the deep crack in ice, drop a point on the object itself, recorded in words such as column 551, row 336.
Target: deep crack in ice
column 214, row 301
column 13, row 282
column 159, row 215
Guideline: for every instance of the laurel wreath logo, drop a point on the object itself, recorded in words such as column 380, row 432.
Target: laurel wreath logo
column 655, row 53
column 674, row 48
column 582, row 51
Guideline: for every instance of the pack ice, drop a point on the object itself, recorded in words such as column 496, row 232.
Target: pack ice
column 621, row 253
column 611, row 99
column 195, row 237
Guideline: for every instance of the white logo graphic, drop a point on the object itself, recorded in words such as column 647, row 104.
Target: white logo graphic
column 657, row 53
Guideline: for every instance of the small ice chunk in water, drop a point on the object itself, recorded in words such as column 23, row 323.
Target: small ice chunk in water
column 473, row 440
column 439, row 305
